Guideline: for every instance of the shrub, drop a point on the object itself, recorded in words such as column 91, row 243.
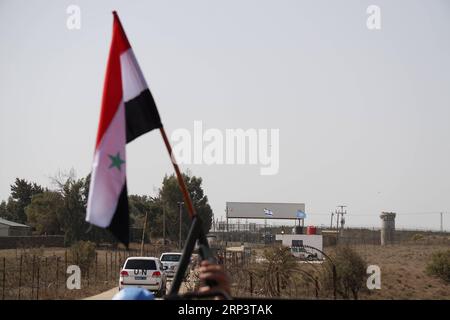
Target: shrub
column 83, row 253
column 350, row 273
column 276, row 271
column 439, row 266
column 417, row 237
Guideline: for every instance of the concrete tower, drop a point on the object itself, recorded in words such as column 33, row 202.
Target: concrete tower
column 387, row 228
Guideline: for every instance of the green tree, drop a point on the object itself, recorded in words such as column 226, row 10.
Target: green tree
column 3, row 210
column 88, row 231
column 22, row 192
column 170, row 196
column 139, row 206
column 72, row 215
column 43, row 211
column 11, row 209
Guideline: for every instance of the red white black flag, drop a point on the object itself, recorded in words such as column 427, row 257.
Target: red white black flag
column 128, row 111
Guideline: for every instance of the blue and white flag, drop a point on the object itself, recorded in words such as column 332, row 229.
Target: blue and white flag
column 301, row 214
column 268, row 212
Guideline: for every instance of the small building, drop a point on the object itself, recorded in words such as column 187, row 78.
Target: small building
column 11, row 229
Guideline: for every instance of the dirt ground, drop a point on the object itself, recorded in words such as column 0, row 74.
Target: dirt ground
column 403, row 272
column 402, row 268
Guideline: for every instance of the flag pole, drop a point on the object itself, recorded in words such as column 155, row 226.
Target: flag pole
column 181, row 183
column 196, row 231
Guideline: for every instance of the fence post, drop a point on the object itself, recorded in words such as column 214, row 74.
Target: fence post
column 45, row 276
column 278, row 285
column 111, row 264
column 106, row 265
column 4, row 277
column 20, row 274
column 32, row 278
column 37, row 286
column 251, row 285
column 115, row 263
column 95, row 270
column 65, row 260
column 57, row 271
column 87, row 274
column 316, row 283
column 120, row 259
column 113, row 267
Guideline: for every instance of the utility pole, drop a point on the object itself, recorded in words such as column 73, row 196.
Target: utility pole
column 265, row 231
column 164, row 223
column 341, row 212
column 331, row 222
column 442, row 222
column 181, row 209
column 143, row 234
column 337, row 219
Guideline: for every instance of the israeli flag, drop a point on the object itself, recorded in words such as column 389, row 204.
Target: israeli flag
column 268, row 212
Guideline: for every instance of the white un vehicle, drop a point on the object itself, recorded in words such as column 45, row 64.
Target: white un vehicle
column 144, row 272
column 170, row 261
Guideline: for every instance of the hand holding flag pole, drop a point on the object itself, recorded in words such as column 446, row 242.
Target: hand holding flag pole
column 196, row 231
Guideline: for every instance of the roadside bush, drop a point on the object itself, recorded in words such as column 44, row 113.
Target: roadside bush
column 439, row 266
column 83, row 253
column 276, row 271
column 350, row 273
column 417, row 237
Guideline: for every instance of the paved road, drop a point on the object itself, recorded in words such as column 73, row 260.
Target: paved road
column 108, row 295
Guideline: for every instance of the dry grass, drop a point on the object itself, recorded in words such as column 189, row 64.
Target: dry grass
column 403, row 272
column 403, row 275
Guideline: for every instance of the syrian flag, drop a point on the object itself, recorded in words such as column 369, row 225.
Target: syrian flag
column 128, row 111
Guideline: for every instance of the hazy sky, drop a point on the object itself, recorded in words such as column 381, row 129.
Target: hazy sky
column 363, row 114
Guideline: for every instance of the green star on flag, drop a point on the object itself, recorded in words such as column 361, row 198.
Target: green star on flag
column 116, row 161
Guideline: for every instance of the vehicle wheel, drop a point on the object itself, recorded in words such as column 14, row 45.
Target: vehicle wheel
column 161, row 292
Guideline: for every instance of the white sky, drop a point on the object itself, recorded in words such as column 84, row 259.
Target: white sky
column 363, row 115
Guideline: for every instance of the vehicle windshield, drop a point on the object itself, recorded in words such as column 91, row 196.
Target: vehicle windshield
column 141, row 264
column 171, row 257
